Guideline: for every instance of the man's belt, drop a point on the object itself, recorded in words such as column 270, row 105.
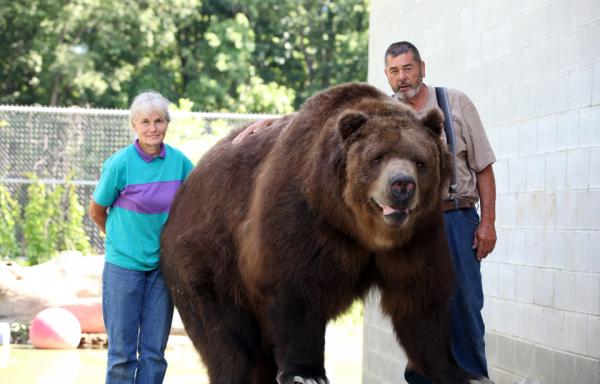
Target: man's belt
column 450, row 205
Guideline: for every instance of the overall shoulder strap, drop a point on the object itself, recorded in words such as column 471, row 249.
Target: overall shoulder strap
column 441, row 93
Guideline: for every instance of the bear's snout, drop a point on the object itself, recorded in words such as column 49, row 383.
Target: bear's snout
column 402, row 187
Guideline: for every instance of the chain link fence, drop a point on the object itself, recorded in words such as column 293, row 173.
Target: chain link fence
column 60, row 145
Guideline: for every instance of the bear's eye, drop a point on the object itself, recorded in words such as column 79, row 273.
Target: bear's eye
column 420, row 164
column 377, row 159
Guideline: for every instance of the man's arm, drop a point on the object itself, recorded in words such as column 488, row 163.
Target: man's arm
column 485, row 234
column 98, row 214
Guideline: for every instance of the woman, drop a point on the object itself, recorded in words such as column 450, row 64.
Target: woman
column 130, row 204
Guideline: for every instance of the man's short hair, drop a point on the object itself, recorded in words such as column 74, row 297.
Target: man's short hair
column 402, row 47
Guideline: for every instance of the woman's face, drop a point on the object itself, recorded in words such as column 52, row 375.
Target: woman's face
column 150, row 128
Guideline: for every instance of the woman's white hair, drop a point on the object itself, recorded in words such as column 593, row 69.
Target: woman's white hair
column 149, row 101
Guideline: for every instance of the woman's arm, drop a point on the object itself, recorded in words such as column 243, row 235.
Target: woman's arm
column 98, row 214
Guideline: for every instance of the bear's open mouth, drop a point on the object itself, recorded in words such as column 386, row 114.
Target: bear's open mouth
column 392, row 213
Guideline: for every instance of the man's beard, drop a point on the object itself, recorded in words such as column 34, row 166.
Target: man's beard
column 410, row 94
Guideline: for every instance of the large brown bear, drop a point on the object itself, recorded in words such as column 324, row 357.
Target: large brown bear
column 270, row 239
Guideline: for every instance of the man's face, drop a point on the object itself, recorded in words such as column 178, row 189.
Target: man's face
column 405, row 75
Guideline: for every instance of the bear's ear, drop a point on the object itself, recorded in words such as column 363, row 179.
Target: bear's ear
column 350, row 122
column 434, row 120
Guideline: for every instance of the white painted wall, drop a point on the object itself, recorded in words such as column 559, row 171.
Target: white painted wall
column 532, row 68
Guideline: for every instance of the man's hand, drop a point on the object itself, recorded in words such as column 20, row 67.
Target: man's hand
column 485, row 234
column 484, row 240
column 255, row 127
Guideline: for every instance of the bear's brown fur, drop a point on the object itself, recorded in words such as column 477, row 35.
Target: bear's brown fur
column 269, row 239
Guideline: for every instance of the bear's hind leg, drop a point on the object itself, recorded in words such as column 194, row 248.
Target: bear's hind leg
column 227, row 337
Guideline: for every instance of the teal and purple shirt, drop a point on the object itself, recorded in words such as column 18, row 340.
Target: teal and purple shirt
column 139, row 190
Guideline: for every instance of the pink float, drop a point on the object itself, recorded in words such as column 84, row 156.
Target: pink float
column 55, row 328
column 89, row 314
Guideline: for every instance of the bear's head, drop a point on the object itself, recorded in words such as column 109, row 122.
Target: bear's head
column 395, row 170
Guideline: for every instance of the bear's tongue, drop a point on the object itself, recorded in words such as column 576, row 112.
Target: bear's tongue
column 387, row 210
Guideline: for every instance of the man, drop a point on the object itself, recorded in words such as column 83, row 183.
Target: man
column 470, row 240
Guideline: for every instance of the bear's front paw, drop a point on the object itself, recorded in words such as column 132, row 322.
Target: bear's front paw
column 283, row 378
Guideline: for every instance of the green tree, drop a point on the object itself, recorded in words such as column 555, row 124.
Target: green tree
column 224, row 55
column 73, row 236
column 10, row 212
column 39, row 245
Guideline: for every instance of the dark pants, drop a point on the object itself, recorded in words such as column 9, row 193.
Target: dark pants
column 468, row 330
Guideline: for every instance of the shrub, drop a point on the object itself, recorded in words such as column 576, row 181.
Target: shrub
column 39, row 246
column 10, row 213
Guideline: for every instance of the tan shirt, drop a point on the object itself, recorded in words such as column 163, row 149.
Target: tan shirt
column 473, row 150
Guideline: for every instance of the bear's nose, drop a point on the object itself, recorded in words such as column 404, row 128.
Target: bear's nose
column 403, row 188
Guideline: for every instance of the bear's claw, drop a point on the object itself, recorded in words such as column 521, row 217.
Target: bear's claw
column 288, row 379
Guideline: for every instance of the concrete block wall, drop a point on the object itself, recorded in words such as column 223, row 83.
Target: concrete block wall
column 533, row 70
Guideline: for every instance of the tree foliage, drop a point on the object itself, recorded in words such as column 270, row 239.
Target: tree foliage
column 223, row 55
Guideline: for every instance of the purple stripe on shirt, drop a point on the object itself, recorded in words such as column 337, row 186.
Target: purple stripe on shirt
column 148, row 198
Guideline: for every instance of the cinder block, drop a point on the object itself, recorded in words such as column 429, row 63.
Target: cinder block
column 540, row 25
column 596, row 85
column 515, row 316
column 555, row 255
column 556, row 172
column 576, row 332
column 549, row 213
column 543, row 287
column 481, row 16
column 594, row 260
column 547, row 133
column 527, row 138
column 578, row 251
column 524, row 293
column 535, row 172
column 533, row 318
column 589, row 38
column 466, row 23
column 571, row 47
column 516, row 172
column 553, row 328
column 543, row 365
column 507, row 281
column 564, row 290
column 565, row 214
column 584, row 12
column 594, row 168
column 580, row 88
column 590, row 121
column 497, row 311
column 489, row 273
column 578, row 169
column 559, row 102
column 560, row 17
column 501, row 175
column 593, row 336
column 588, row 206
column 538, row 199
column 587, row 298
column 564, row 368
column 522, row 28
column 539, row 97
column 534, row 243
column 568, row 130
column 588, row 370
column 504, row 37
column 488, row 44
column 517, row 248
